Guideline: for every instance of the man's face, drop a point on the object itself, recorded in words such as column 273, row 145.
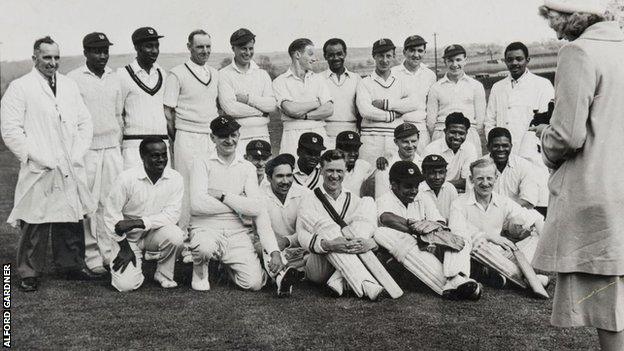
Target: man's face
column 351, row 156
column 282, row 179
column 309, row 158
column 455, row 64
column 384, row 60
column 414, row 55
column 500, row 148
column 482, row 179
column 226, row 145
column 455, row 135
column 47, row 58
column 97, row 57
column 405, row 191
column 335, row 56
column 244, row 53
column 516, row 62
column 148, row 51
column 306, row 58
column 155, row 157
column 435, row 177
column 333, row 174
column 258, row 161
column 200, row 48
column 407, row 145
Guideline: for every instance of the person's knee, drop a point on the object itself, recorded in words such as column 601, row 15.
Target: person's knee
column 173, row 235
column 252, row 282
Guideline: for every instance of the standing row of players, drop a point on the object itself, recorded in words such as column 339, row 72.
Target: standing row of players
column 126, row 107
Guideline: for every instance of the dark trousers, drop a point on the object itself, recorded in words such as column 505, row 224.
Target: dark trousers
column 68, row 247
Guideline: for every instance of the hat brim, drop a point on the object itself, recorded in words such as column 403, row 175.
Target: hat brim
column 348, row 145
column 97, row 45
column 142, row 40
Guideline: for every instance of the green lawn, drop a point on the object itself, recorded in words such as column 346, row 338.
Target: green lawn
column 90, row 315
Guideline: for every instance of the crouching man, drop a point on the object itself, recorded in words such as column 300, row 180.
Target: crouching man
column 333, row 259
column 496, row 226
column 224, row 193
column 140, row 214
column 409, row 221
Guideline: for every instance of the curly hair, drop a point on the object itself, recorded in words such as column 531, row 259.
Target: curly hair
column 571, row 25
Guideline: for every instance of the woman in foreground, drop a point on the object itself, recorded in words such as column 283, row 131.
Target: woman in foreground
column 584, row 146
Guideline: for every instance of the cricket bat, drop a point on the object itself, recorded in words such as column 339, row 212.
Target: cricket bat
column 529, row 275
column 381, row 274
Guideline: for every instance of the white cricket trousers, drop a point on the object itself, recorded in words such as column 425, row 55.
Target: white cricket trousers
column 375, row 146
column 233, row 247
column 163, row 244
column 290, row 139
column 186, row 147
column 102, row 167
column 423, row 264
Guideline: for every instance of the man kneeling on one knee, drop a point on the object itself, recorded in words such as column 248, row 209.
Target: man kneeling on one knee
column 409, row 221
column 224, row 193
column 496, row 226
column 140, row 214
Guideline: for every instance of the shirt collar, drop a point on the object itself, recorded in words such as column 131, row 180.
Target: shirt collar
column 290, row 73
column 384, row 83
column 298, row 171
column 85, row 69
column 136, row 68
column 343, row 193
column 520, row 80
column 472, row 199
column 402, row 68
column 446, row 79
column 606, row 31
column 141, row 174
column 214, row 156
column 328, row 73
column 193, row 65
column 252, row 66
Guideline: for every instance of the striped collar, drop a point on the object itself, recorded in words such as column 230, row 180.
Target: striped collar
column 384, row 83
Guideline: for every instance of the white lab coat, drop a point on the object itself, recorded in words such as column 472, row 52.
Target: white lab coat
column 50, row 136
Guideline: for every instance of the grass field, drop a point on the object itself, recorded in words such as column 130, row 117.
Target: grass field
column 90, row 315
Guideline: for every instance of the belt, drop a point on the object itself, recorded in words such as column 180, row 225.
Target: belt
column 143, row 136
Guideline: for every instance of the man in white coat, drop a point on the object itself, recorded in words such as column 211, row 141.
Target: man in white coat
column 48, row 128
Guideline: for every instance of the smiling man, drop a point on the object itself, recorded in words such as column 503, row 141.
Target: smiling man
column 258, row 153
column 516, row 177
column 418, row 78
column 456, row 151
column 435, row 186
column 404, row 218
column 307, row 171
column 333, row 259
column 101, row 92
column 142, row 94
column 141, row 213
column 48, row 128
column 224, row 189
column 495, row 226
column 406, row 140
column 245, row 90
column 456, row 92
column 303, row 99
column 342, row 85
column 358, row 170
column 382, row 99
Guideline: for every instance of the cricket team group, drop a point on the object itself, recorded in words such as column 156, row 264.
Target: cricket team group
column 375, row 175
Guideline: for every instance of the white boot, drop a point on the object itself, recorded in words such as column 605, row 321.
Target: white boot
column 200, row 277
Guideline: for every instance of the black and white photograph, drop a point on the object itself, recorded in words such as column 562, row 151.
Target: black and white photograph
column 324, row 175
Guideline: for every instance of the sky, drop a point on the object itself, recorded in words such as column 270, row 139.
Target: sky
column 275, row 22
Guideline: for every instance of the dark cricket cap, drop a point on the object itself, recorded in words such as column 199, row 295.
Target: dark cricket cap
column 405, row 130
column 433, row 161
column 281, row 159
column 414, row 40
column 405, row 171
column 95, row 40
column 241, row 37
column 145, row 34
column 348, row 140
column 224, row 126
column 258, row 148
column 311, row 141
column 383, row 45
column 452, row 50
